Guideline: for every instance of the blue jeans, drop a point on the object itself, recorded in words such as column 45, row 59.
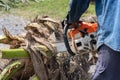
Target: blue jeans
column 108, row 64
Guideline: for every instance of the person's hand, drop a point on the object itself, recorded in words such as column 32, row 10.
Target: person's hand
column 74, row 25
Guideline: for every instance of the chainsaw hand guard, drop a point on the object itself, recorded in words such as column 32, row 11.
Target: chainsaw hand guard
column 66, row 27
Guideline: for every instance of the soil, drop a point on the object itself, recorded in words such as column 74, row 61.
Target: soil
column 13, row 23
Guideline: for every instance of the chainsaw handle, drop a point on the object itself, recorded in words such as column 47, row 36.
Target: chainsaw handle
column 66, row 27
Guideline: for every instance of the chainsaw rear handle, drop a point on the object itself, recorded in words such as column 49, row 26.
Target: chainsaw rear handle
column 66, row 27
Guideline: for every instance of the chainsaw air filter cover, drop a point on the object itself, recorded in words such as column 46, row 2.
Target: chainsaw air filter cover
column 86, row 43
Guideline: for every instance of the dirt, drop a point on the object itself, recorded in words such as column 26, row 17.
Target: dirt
column 13, row 23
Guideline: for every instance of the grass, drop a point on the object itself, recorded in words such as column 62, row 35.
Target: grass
column 90, row 11
column 56, row 9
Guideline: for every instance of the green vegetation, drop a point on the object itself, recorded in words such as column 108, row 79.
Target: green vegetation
column 11, row 70
column 55, row 9
column 14, row 53
column 4, row 6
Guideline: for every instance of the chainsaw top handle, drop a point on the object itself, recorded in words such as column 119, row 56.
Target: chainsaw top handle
column 66, row 27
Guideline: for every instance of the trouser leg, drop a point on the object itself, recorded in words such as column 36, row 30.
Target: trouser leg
column 108, row 64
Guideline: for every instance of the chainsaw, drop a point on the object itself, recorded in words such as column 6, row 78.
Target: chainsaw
column 76, row 39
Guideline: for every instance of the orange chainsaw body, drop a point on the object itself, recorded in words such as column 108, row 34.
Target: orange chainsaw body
column 90, row 27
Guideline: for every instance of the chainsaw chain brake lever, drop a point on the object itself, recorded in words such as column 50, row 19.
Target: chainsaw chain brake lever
column 66, row 27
